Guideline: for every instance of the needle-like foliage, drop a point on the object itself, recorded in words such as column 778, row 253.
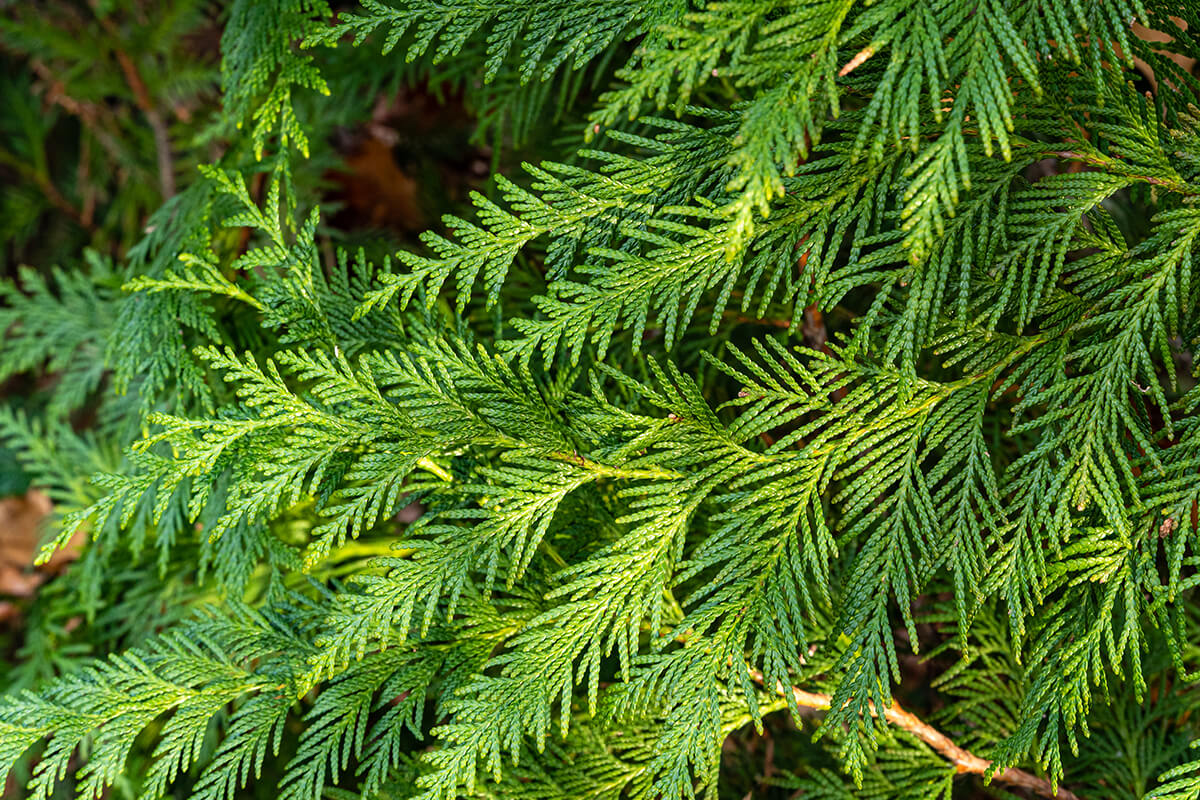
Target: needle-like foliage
column 834, row 336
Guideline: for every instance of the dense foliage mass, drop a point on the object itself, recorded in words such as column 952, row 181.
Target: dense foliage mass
column 826, row 365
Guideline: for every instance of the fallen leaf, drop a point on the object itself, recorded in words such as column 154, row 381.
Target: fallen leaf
column 20, row 539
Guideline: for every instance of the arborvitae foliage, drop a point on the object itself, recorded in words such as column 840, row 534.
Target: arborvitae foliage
column 835, row 365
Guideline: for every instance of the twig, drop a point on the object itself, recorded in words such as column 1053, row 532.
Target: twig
column 964, row 761
column 857, row 61
column 1115, row 165
column 816, row 335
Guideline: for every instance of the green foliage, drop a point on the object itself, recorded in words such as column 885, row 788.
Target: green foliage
column 853, row 354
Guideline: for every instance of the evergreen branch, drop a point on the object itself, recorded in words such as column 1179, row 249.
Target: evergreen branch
column 550, row 491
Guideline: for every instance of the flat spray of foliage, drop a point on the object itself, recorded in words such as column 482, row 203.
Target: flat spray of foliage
column 652, row 503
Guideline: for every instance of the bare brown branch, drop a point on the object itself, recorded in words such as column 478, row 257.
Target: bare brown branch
column 963, row 760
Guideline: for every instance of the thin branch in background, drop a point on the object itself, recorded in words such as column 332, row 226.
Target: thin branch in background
column 89, row 114
column 47, row 187
column 158, row 126
column 87, row 189
column 141, row 96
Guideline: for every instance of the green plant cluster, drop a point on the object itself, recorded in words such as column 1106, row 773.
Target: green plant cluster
column 836, row 345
